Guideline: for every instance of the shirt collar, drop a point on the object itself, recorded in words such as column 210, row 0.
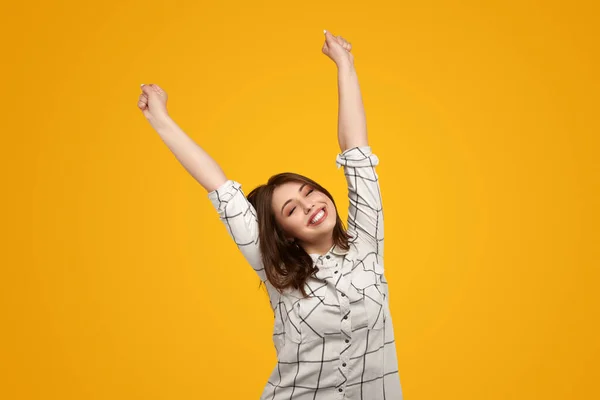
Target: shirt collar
column 338, row 250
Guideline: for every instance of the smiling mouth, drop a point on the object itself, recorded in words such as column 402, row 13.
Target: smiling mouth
column 319, row 217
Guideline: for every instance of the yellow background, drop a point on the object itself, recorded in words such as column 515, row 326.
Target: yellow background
column 119, row 281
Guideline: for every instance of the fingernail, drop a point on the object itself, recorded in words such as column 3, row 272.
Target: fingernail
column 142, row 84
column 324, row 31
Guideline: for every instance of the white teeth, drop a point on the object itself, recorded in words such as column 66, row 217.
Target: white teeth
column 318, row 217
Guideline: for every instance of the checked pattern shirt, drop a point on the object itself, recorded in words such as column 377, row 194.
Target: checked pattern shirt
column 339, row 342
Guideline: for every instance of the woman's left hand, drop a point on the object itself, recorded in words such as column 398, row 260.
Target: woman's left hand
column 338, row 49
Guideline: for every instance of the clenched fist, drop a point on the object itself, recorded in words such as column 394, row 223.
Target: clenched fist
column 153, row 103
column 338, row 49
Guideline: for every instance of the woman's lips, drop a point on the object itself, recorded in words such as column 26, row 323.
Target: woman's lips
column 322, row 218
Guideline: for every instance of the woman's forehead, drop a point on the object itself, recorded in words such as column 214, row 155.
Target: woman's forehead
column 287, row 190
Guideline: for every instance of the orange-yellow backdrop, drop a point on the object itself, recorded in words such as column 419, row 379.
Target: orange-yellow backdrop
column 118, row 280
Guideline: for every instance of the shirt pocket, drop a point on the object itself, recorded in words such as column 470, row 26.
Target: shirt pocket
column 369, row 301
column 317, row 317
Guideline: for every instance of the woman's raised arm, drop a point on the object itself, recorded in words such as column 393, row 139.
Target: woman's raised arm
column 352, row 125
column 153, row 103
column 365, row 211
column 234, row 210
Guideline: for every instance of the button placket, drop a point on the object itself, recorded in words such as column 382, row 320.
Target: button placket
column 346, row 321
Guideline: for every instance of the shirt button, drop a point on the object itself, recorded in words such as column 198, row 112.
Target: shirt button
column 340, row 390
column 328, row 257
column 335, row 272
column 347, row 341
column 345, row 317
column 343, row 295
column 344, row 364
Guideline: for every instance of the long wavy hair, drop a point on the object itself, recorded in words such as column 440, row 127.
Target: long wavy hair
column 286, row 263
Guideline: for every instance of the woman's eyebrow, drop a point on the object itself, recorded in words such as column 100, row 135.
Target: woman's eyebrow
column 285, row 204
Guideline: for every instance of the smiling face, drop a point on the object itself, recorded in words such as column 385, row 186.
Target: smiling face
column 304, row 213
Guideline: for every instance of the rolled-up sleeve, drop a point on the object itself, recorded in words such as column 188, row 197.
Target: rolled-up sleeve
column 365, row 211
column 239, row 216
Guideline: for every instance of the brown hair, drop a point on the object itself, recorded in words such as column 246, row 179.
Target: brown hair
column 286, row 263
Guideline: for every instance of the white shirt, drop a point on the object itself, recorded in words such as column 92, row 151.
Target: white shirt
column 339, row 342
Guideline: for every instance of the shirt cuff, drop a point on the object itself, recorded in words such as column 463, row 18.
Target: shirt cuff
column 224, row 193
column 357, row 157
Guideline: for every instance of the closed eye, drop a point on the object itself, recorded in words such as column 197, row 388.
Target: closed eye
column 292, row 210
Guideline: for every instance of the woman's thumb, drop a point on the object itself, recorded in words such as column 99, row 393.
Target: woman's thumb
column 332, row 41
column 329, row 37
column 151, row 89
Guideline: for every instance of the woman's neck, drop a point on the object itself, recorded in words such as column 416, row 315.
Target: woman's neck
column 320, row 248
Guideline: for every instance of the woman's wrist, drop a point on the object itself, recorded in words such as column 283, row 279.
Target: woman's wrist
column 163, row 122
column 345, row 66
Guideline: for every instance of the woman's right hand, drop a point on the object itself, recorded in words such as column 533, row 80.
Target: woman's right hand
column 153, row 103
column 338, row 49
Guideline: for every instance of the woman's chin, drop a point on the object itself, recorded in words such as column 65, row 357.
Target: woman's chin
column 324, row 228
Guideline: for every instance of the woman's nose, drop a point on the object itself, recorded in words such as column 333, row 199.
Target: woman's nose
column 308, row 207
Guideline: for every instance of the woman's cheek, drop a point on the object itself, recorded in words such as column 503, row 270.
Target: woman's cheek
column 301, row 224
column 293, row 225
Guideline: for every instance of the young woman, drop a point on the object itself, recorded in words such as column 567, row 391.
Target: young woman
column 333, row 330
